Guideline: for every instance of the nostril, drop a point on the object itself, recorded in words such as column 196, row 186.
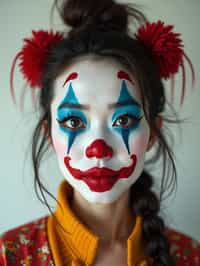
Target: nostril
column 99, row 149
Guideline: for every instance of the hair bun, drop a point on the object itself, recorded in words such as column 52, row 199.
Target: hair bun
column 81, row 14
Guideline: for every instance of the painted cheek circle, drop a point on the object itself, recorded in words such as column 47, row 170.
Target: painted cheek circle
column 59, row 147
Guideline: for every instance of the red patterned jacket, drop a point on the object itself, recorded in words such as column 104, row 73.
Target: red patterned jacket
column 28, row 245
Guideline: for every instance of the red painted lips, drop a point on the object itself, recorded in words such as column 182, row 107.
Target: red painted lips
column 101, row 179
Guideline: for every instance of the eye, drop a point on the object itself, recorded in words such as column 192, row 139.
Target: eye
column 72, row 123
column 126, row 121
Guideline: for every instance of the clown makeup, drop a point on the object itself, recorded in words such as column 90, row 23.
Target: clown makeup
column 99, row 131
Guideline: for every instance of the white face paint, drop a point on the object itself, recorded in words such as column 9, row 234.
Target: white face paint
column 100, row 148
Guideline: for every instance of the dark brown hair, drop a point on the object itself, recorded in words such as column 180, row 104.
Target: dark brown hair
column 101, row 28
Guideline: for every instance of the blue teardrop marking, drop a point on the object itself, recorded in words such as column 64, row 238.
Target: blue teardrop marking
column 125, row 135
column 70, row 98
column 71, row 138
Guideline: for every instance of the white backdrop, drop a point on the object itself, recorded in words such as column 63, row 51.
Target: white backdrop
column 17, row 198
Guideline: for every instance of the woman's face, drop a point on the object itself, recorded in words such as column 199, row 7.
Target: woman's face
column 99, row 131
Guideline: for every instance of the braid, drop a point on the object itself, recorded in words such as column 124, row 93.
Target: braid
column 144, row 202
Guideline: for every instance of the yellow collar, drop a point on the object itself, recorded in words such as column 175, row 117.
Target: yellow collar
column 77, row 244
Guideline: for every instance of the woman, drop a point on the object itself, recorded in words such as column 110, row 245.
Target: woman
column 101, row 102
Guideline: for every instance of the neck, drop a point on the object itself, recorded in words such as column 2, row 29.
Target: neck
column 112, row 222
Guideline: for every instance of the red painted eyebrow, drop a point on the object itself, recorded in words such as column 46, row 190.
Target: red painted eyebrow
column 71, row 76
column 123, row 75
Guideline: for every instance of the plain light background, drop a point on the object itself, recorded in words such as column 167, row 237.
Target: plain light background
column 18, row 201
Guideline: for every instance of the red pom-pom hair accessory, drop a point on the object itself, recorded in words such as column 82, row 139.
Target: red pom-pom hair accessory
column 33, row 57
column 167, row 50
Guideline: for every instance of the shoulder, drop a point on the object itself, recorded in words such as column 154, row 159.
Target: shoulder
column 184, row 248
column 26, row 244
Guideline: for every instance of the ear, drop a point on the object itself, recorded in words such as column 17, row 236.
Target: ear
column 153, row 136
column 45, row 129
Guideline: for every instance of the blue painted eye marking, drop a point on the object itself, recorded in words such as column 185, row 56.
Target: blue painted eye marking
column 70, row 96
column 126, row 96
column 64, row 112
column 131, row 109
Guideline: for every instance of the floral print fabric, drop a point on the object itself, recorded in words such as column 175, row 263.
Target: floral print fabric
column 27, row 245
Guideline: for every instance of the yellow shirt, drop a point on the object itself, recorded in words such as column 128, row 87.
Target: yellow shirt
column 75, row 244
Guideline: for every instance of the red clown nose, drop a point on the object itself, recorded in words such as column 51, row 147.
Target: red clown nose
column 99, row 149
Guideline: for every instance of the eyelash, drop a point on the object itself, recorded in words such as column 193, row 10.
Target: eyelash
column 134, row 118
column 67, row 119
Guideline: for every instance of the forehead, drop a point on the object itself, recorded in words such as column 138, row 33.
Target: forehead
column 95, row 78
